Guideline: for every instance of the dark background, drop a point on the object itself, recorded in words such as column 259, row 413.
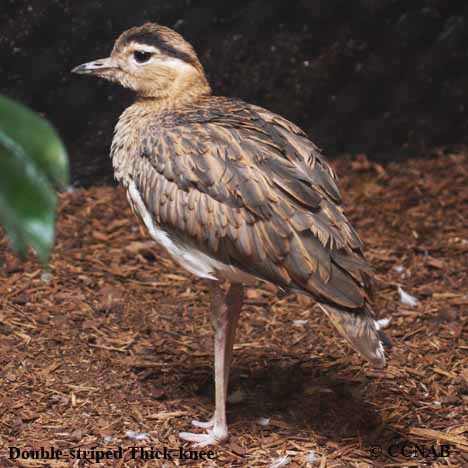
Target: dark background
column 387, row 78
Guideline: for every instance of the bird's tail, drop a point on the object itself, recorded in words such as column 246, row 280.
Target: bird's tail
column 361, row 331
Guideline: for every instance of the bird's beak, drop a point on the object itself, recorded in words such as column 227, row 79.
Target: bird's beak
column 95, row 67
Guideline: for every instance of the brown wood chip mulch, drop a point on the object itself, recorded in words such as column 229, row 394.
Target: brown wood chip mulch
column 112, row 348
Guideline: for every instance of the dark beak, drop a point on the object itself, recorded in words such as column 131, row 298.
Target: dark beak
column 96, row 67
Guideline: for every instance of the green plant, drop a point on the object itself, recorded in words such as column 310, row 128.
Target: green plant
column 33, row 161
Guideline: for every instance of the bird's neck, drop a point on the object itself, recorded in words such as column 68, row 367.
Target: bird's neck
column 184, row 90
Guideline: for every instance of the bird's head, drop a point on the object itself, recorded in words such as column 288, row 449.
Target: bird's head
column 154, row 61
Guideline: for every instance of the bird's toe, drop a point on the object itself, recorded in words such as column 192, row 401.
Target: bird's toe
column 204, row 424
column 213, row 437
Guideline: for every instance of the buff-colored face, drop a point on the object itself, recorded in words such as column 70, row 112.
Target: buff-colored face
column 151, row 60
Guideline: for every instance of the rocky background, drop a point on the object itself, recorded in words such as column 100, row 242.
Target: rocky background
column 387, row 78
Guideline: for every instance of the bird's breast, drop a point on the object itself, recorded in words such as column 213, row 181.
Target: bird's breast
column 126, row 143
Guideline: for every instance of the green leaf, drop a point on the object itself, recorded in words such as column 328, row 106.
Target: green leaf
column 22, row 127
column 32, row 160
column 27, row 205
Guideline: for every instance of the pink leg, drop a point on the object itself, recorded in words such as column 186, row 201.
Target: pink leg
column 225, row 310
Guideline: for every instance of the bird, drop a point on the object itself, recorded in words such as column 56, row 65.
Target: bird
column 234, row 193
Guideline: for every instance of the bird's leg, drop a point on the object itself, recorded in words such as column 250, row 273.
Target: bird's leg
column 225, row 310
column 233, row 301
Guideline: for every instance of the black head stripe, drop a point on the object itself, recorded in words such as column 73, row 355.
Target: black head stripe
column 155, row 40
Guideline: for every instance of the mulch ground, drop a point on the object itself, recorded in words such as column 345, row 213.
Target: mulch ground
column 113, row 346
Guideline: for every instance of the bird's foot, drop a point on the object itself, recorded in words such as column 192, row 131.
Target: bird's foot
column 204, row 424
column 215, row 436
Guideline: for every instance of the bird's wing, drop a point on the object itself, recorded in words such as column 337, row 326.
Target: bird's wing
column 248, row 188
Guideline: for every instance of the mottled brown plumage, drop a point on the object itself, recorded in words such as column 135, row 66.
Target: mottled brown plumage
column 232, row 190
column 249, row 189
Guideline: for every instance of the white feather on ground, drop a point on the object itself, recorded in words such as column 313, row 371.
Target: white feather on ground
column 263, row 421
column 299, row 322
column 280, row 462
column 406, row 298
column 135, row 435
column 310, row 457
column 382, row 323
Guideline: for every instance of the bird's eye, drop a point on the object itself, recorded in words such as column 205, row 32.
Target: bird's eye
column 142, row 56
